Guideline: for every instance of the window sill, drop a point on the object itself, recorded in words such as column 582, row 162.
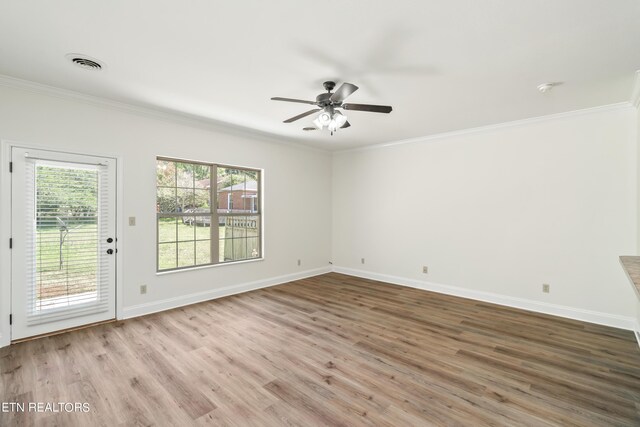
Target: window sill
column 202, row 267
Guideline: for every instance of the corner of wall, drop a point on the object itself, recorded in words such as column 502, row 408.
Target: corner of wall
column 637, row 169
column 603, row 125
column 635, row 101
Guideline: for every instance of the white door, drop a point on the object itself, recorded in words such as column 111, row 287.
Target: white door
column 63, row 241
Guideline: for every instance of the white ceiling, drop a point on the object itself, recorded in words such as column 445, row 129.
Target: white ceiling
column 442, row 65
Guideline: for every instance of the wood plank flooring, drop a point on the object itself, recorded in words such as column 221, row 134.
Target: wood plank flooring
column 331, row 350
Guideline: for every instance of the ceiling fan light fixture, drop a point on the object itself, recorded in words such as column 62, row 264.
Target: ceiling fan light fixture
column 324, row 118
column 327, row 103
column 339, row 118
column 332, row 121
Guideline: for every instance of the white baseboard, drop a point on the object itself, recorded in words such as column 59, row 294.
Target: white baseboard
column 616, row 321
column 600, row 318
column 169, row 303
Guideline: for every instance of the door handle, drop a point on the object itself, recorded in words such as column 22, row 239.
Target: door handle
column 110, row 240
column 110, row 251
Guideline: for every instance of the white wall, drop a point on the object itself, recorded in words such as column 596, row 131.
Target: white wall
column 296, row 200
column 494, row 214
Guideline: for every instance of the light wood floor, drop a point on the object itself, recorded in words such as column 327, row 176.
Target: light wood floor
column 332, row 350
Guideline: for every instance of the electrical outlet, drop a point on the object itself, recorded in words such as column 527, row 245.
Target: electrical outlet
column 545, row 288
column 299, row 263
column 132, row 220
column 361, row 260
column 143, row 289
column 425, row 269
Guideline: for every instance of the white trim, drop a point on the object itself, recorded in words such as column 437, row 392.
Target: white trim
column 120, row 242
column 5, row 229
column 206, row 266
column 157, row 113
column 220, row 126
column 169, row 303
column 635, row 93
column 492, row 127
column 616, row 321
column 5, row 252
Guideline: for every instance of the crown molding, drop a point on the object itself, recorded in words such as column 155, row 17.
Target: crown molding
column 488, row 128
column 246, row 132
column 154, row 113
column 635, row 93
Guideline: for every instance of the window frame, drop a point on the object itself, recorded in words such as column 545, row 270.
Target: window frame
column 214, row 214
column 230, row 201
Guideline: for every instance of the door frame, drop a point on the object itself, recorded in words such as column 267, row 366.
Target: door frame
column 6, row 223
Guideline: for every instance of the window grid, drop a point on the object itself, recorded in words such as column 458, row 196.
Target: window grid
column 183, row 216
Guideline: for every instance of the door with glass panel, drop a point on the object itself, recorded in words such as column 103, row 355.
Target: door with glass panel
column 63, row 241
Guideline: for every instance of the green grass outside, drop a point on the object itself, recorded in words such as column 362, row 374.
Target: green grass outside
column 183, row 245
column 77, row 271
column 193, row 245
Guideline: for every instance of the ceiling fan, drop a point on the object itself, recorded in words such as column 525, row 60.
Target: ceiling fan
column 329, row 103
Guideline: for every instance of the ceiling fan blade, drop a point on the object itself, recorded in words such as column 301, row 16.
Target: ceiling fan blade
column 300, row 101
column 368, row 107
column 299, row 116
column 345, row 125
column 310, row 128
column 343, row 91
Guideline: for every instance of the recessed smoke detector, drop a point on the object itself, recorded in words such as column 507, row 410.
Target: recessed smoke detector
column 546, row 87
column 85, row 62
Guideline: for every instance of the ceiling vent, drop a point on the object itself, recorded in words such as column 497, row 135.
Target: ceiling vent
column 85, row 62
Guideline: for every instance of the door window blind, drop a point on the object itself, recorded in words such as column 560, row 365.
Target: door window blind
column 67, row 271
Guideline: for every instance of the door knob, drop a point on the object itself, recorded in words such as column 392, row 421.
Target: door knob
column 110, row 251
column 110, row 240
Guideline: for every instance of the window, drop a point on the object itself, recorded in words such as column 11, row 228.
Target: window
column 203, row 224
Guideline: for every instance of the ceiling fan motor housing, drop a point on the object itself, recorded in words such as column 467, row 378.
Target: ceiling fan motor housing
column 324, row 99
column 329, row 85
